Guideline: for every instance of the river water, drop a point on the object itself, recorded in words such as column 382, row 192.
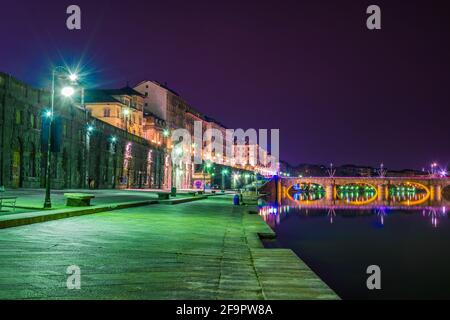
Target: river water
column 410, row 246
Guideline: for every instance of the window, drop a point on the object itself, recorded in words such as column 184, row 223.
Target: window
column 106, row 113
column 18, row 117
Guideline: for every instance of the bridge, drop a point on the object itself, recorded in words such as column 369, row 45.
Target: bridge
column 432, row 187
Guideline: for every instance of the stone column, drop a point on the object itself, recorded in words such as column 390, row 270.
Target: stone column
column 381, row 192
column 329, row 192
column 279, row 187
column 436, row 193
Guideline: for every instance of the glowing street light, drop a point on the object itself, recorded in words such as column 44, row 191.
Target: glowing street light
column 207, row 166
column 67, row 91
column 73, row 77
column 236, row 178
column 224, row 173
column 126, row 113
column 166, row 133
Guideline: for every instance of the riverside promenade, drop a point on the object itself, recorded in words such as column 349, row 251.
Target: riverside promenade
column 207, row 249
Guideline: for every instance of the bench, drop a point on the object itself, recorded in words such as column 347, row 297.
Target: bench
column 163, row 195
column 78, row 199
column 192, row 193
column 9, row 200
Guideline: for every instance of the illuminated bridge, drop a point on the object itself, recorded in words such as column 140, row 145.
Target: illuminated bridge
column 406, row 191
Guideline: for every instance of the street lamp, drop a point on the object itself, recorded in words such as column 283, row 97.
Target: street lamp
column 207, row 165
column 126, row 113
column 224, row 173
column 166, row 133
column 246, row 176
column 236, row 178
column 73, row 77
column 66, row 92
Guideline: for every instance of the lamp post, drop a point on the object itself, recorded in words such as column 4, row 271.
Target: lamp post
column 67, row 91
column 246, row 176
column 208, row 166
column 126, row 113
column 236, row 177
column 113, row 151
column 224, row 173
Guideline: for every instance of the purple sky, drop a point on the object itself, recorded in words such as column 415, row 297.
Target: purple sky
column 337, row 91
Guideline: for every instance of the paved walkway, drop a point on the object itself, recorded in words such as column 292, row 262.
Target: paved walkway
column 200, row 250
column 34, row 198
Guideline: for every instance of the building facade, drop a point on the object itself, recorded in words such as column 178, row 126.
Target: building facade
column 104, row 157
column 159, row 99
column 108, row 138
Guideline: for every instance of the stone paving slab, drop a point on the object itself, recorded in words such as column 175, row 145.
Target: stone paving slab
column 206, row 249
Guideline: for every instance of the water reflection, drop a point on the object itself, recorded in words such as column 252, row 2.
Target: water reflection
column 356, row 193
column 274, row 215
column 407, row 193
column 307, row 192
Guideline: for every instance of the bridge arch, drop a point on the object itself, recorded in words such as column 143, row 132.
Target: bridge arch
column 307, row 187
column 419, row 201
column 363, row 202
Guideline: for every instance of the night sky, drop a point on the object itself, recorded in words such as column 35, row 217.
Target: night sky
column 337, row 91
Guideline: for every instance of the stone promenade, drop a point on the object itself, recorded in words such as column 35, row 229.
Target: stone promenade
column 206, row 249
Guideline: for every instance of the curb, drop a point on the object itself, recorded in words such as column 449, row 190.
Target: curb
column 49, row 215
column 55, row 215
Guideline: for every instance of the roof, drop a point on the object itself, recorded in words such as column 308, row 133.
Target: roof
column 123, row 91
column 189, row 109
column 98, row 96
column 160, row 84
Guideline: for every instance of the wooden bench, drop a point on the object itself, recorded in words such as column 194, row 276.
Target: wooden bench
column 163, row 195
column 9, row 200
column 78, row 199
